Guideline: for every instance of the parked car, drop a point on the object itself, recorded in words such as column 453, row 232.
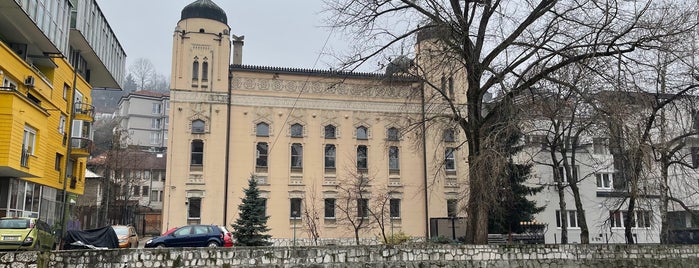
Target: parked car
column 227, row 237
column 169, row 231
column 190, row 236
column 128, row 238
column 25, row 233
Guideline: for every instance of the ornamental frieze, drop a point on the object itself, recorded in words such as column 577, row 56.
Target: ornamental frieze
column 198, row 97
column 331, row 105
column 317, row 87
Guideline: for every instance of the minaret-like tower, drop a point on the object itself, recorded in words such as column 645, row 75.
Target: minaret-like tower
column 198, row 117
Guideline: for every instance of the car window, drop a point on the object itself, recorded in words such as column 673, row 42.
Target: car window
column 120, row 230
column 201, row 230
column 183, row 231
column 14, row 223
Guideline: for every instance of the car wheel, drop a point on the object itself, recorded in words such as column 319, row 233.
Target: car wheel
column 212, row 244
column 160, row 246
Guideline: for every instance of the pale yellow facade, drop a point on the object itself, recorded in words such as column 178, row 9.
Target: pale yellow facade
column 209, row 164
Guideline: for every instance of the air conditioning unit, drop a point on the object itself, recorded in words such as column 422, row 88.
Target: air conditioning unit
column 29, row 81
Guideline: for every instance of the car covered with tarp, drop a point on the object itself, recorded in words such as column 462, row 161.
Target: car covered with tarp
column 99, row 238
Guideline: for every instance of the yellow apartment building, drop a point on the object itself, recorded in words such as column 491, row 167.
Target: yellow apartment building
column 49, row 64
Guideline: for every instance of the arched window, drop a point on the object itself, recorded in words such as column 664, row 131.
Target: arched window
column 198, row 126
column 362, row 133
column 451, row 87
column 197, row 153
column 195, row 69
column 393, row 134
column 262, row 130
column 330, row 132
column 297, row 130
column 205, row 70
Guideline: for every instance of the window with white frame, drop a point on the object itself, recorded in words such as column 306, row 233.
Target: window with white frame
column 198, row 126
column 605, row 181
column 449, row 159
column 330, row 152
column 154, row 138
column 8, row 84
column 156, row 123
column 62, row 124
column 296, row 155
column 640, row 219
column 157, row 108
column 194, row 210
column 564, row 176
column 29, row 140
column 571, row 218
column 394, row 208
column 362, row 157
column 393, row 158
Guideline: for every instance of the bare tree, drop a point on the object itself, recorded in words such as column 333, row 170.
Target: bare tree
column 352, row 203
column 311, row 214
column 504, row 48
column 143, row 72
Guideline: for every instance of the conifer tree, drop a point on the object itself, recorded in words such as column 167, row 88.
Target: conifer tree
column 251, row 226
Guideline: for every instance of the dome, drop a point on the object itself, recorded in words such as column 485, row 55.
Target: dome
column 205, row 9
column 401, row 64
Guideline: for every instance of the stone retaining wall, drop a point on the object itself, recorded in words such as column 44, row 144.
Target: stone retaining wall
column 415, row 255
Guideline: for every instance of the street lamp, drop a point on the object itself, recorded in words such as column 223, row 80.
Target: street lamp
column 294, row 215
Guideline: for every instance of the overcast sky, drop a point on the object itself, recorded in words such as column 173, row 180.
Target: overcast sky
column 277, row 33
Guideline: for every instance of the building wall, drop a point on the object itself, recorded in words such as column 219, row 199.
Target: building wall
column 137, row 117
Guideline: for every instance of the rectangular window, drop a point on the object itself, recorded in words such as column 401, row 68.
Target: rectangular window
column 154, row 196
column 362, row 157
column 156, row 123
column 564, row 176
column 605, row 181
column 329, row 208
column 640, row 219
column 393, row 158
column 62, row 124
column 194, row 210
column 451, row 208
column 449, row 159
column 66, row 88
column 394, row 207
column 135, row 190
column 144, row 190
column 197, row 154
column 295, row 210
column 261, row 157
column 157, row 108
column 29, row 140
column 264, row 206
column 330, row 152
column 296, row 155
column 57, row 164
column 571, row 218
column 362, row 208
column 154, row 138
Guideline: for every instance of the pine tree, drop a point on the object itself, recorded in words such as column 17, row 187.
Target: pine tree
column 251, row 225
column 513, row 206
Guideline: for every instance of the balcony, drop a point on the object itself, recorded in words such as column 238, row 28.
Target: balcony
column 84, row 111
column 80, row 147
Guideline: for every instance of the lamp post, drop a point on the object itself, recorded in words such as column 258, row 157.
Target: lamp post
column 294, row 215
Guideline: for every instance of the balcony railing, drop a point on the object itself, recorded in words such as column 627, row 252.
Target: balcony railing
column 24, row 160
column 84, row 109
column 80, row 146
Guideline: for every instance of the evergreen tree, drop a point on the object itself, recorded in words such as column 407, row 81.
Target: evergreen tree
column 251, row 225
column 513, row 206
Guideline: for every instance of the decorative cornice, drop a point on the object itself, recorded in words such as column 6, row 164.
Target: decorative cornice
column 325, row 88
column 319, row 104
column 325, row 73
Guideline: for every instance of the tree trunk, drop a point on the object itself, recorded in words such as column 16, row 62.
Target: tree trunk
column 664, row 233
